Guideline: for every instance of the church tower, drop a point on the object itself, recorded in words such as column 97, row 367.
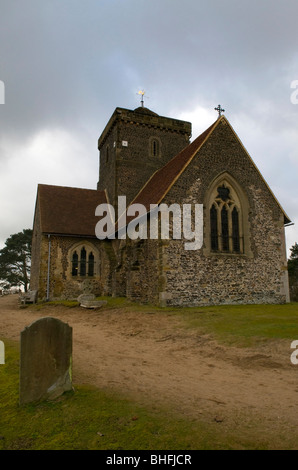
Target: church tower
column 133, row 145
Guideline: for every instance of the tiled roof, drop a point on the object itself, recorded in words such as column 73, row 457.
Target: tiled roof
column 163, row 179
column 68, row 211
column 71, row 211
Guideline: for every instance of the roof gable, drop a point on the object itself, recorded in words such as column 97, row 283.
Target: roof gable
column 68, row 211
column 163, row 179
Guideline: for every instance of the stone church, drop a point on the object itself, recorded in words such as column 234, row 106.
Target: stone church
column 149, row 159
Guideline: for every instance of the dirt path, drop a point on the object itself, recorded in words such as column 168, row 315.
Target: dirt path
column 152, row 359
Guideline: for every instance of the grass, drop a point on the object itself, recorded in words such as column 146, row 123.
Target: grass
column 244, row 325
column 89, row 418
column 237, row 325
column 233, row 325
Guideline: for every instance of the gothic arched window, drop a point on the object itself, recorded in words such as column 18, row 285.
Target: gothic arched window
column 75, row 264
column 83, row 261
column 154, row 147
column 224, row 229
column 225, row 221
column 91, row 264
column 213, row 226
column 235, row 230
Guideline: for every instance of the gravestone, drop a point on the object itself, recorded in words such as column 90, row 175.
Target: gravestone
column 88, row 301
column 45, row 360
column 93, row 303
column 84, row 297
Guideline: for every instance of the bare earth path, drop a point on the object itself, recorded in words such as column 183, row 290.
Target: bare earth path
column 152, row 359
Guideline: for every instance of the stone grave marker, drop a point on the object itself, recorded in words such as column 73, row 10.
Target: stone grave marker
column 88, row 301
column 45, row 360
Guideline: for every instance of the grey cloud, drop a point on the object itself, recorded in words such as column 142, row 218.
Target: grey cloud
column 67, row 64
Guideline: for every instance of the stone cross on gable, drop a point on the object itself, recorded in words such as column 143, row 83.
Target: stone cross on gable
column 220, row 110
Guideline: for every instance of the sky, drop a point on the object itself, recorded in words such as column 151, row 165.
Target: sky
column 65, row 65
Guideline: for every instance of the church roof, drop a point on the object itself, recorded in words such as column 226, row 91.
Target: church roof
column 71, row 211
column 163, row 179
column 68, row 211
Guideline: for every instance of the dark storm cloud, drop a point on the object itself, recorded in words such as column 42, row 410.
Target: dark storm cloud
column 57, row 57
column 67, row 64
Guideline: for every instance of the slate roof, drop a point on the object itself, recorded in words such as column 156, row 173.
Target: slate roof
column 68, row 211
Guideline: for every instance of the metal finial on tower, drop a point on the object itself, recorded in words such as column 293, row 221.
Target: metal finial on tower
column 219, row 109
column 142, row 93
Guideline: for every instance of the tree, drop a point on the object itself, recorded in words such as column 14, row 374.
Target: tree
column 293, row 272
column 15, row 260
column 293, row 261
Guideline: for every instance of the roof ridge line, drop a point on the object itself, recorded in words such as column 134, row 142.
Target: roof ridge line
column 211, row 128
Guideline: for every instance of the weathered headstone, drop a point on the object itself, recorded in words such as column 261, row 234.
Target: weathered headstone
column 45, row 360
column 29, row 297
column 88, row 301
column 84, row 297
column 93, row 303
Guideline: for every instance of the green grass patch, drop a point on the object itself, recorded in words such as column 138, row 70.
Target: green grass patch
column 86, row 418
column 240, row 325
column 89, row 418
column 237, row 325
column 119, row 302
column 243, row 325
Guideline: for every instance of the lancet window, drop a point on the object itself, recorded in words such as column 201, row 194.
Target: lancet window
column 83, row 262
column 225, row 222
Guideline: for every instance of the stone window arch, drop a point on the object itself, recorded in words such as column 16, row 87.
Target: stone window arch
column 84, row 261
column 154, row 147
column 226, row 213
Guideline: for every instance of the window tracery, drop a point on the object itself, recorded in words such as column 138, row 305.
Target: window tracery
column 225, row 215
column 83, row 262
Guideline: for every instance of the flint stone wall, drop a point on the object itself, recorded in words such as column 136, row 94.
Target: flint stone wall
column 201, row 277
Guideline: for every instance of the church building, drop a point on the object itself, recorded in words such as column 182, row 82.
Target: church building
column 150, row 160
